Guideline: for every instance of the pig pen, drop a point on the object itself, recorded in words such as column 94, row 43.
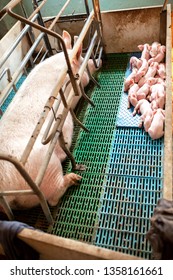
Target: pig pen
column 108, row 215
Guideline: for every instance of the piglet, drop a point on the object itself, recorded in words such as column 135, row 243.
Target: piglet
column 158, row 96
column 132, row 97
column 145, row 51
column 17, row 126
column 156, row 129
column 154, row 49
column 142, row 70
column 130, row 80
column 159, row 57
column 135, row 62
column 144, row 107
column 161, row 71
column 152, row 69
column 144, row 91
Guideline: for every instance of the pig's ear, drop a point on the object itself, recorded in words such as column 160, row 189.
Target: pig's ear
column 76, row 60
column 67, row 39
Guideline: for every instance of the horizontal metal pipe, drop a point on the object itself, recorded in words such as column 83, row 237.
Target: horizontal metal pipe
column 17, row 192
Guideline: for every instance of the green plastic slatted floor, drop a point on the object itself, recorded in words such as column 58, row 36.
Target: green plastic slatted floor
column 123, row 180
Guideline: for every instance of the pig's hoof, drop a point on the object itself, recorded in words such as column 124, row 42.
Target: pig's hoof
column 74, row 178
column 80, row 167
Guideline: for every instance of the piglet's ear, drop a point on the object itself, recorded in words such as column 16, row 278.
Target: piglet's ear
column 67, row 39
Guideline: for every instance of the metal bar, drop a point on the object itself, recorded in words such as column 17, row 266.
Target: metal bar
column 59, row 14
column 31, row 183
column 86, row 96
column 16, row 75
column 9, row 77
column 87, row 7
column 18, row 39
column 37, row 9
column 12, row 4
column 45, row 38
column 38, row 54
column 164, row 5
column 18, row 192
column 56, row 89
column 54, row 34
column 97, row 14
column 46, row 139
column 45, row 163
column 78, row 121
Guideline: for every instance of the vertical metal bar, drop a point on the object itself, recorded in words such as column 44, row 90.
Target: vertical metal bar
column 40, row 21
column 87, row 7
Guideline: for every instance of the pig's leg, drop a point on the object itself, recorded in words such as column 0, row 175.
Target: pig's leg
column 128, row 104
column 55, row 184
column 136, row 109
column 142, row 118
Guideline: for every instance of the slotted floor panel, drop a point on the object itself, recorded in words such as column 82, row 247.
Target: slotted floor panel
column 130, row 193
column 123, row 180
column 12, row 94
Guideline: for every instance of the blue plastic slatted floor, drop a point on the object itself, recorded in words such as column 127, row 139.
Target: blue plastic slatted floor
column 130, row 193
column 12, row 94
